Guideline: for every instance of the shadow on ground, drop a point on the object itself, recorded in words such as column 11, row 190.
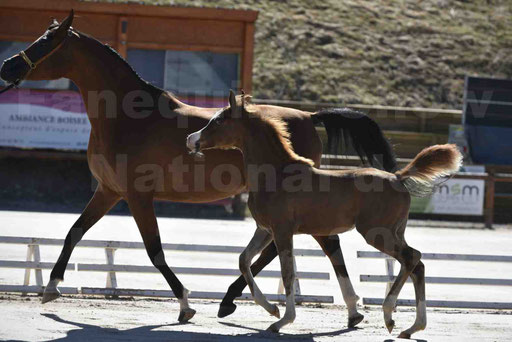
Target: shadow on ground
column 88, row 332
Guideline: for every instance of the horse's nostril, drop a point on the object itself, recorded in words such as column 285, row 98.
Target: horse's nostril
column 197, row 145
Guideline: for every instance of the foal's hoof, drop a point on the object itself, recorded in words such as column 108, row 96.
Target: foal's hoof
column 273, row 328
column 48, row 296
column 355, row 320
column 226, row 310
column 404, row 334
column 275, row 312
column 186, row 315
column 390, row 325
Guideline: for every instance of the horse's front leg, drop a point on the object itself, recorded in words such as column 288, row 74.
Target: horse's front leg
column 227, row 306
column 100, row 203
column 331, row 247
column 258, row 242
column 143, row 212
column 284, row 244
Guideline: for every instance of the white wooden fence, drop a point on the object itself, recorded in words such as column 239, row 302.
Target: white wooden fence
column 33, row 262
column 389, row 278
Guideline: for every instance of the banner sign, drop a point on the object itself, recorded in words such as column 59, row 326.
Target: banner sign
column 54, row 119
column 455, row 196
column 41, row 119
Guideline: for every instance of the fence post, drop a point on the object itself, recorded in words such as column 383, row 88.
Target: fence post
column 33, row 254
column 489, row 199
column 111, row 276
column 37, row 258
column 26, row 279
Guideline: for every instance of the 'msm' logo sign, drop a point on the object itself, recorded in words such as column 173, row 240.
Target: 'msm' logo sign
column 464, row 191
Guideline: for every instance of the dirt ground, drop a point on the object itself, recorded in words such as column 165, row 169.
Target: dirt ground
column 94, row 319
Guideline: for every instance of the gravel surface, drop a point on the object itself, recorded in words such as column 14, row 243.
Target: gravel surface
column 86, row 319
column 144, row 319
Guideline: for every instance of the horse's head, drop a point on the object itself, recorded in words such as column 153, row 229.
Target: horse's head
column 44, row 59
column 225, row 129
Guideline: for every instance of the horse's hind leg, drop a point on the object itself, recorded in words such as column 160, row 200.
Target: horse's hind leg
column 390, row 240
column 227, row 307
column 100, row 203
column 331, row 247
column 258, row 242
column 143, row 212
column 418, row 278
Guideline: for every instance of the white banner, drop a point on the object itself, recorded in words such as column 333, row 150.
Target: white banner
column 33, row 126
column 43, row 119
column 455, row 196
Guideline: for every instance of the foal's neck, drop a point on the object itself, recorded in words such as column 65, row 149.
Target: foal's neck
column 264, row 148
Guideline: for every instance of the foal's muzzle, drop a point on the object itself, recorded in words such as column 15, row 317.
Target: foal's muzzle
column 193, row 143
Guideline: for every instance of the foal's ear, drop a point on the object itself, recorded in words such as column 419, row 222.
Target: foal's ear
column 65, row 25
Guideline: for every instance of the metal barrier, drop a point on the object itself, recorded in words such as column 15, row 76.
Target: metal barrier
column 33, row 262
column 389, row 278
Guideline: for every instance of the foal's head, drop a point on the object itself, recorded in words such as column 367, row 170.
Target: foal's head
column 240, row 125
column 226, row 128
column 44, row 59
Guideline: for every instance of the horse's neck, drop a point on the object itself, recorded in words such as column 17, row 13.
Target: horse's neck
column 104, row 81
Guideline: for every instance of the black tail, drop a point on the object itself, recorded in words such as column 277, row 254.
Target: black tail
column 348, row 125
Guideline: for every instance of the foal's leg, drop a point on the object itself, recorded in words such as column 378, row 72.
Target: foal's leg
column 331, row 247
column 259, row 241
column 144, row 215
column 284, row 243
column 227, row 307
column 418, row 278
column 390, row 241
column 100, row 203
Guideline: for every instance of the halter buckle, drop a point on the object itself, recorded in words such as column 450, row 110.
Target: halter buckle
column 27, row 60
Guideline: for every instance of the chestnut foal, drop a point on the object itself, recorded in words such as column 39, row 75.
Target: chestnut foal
column 305, row 200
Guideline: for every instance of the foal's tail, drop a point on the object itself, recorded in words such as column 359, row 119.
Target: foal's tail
column 365, row 134
column 430, row 164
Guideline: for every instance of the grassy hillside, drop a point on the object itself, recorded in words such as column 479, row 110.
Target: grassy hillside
column 387, row 52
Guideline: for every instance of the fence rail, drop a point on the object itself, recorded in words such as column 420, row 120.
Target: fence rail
column 33, row 262
column 389, row 278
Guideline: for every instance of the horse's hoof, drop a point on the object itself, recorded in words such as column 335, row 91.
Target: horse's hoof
column 186, row 315
column 226, row 310
column 275, row 312
column 49, row 296
column 390, row 325
column 273, row 328
column 404, row 334
column 355, row 320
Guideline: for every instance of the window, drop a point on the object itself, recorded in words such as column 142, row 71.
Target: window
column 198, row 73
column 9, row 49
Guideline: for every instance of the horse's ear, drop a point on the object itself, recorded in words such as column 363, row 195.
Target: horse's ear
column 232, row 99
column 66, row 24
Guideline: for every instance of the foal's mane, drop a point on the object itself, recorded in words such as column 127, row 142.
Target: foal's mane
column 280, row 136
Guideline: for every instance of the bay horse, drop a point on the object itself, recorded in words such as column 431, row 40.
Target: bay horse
column 307, row 200
column 136, row 149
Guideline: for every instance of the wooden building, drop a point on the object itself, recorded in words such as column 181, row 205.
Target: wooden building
column 153, row 39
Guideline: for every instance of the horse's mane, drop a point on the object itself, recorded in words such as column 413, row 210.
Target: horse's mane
column 112, row 52
column 278, row 133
